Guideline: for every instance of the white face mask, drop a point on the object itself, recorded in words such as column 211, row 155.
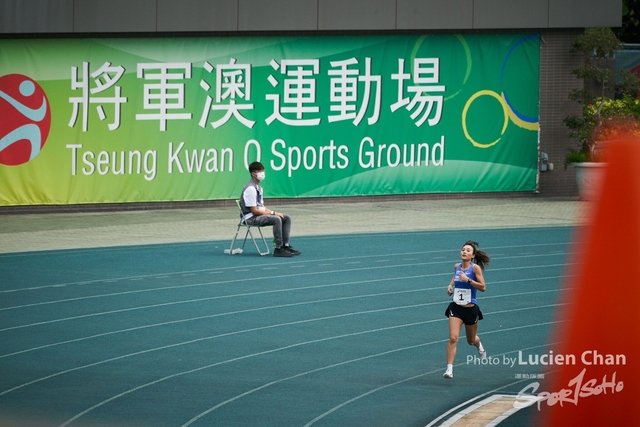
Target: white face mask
column 259, row 176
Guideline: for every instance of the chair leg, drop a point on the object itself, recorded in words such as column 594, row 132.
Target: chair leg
column 232, row 250
column 246, row 235
column 266, row 252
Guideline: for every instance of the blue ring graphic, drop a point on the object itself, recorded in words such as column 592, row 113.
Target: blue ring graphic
column 521, row 116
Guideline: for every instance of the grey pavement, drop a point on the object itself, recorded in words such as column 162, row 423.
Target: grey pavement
column 36, row 232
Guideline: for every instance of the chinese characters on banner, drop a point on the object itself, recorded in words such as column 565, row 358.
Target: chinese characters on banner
column 164, row 92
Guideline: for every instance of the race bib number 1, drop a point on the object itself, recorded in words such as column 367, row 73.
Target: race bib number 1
column 461, row 296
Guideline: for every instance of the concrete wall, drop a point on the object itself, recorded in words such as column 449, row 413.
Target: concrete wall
column 149, row 16
column 556, row 83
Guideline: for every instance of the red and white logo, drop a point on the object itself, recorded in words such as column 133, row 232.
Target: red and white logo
column 25, row 119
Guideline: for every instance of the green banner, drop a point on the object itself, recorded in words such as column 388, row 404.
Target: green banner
column 178, row 119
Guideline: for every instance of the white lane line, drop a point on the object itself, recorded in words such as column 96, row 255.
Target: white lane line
column 295, row 376
column 207, row 270
column 281, row 276
column 263, row 309
column 298, row 322
column 219, row 297
column 375, row 390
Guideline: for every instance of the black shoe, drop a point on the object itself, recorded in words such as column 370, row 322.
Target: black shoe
column 281, row 252
column 291, row 250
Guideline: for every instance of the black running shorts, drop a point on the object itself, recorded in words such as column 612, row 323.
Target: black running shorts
column 469, row 315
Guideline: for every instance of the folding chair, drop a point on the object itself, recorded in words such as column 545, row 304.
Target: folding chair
column 232, row 250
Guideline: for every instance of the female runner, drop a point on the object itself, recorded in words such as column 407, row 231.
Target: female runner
column 463, row 309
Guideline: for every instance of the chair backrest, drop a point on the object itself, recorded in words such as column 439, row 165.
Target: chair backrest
column 240, row 209
column 242, row 221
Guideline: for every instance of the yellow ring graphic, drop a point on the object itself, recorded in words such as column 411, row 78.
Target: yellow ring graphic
column 505, row 109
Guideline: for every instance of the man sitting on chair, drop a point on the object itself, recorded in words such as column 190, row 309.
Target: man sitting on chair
column 254, row 212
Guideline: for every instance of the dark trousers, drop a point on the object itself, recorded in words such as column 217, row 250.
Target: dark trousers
column 281, row 226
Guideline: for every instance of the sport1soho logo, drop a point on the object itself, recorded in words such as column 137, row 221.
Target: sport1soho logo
column 25, row 119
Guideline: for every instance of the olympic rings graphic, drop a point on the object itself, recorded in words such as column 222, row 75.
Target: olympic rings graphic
column 510, row 113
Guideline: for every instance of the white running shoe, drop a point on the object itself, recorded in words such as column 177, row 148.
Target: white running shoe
column 448, row 374
column 482, row 353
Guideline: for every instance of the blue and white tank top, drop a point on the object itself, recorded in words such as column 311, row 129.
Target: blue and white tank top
column 463, row 292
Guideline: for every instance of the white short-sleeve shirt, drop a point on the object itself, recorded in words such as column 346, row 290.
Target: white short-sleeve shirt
column 253, row 197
